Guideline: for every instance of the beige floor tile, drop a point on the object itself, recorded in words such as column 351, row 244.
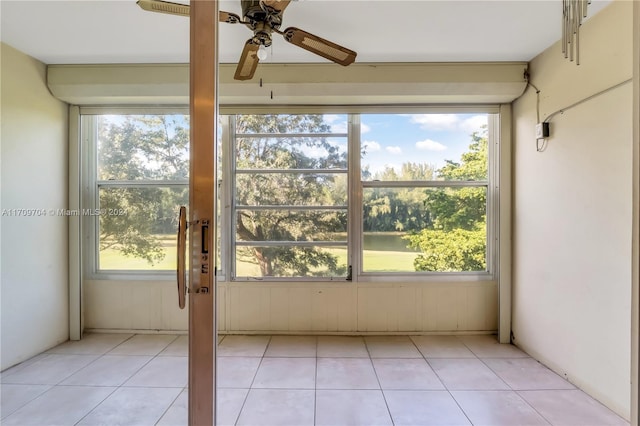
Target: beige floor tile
column 178, row 412
column 342, row 347
column 108, row 370
column 497, row 408
column 487, row 346
column 229, row 404
column 424, row 408
column 162, row 372
column 60, row 405
column 236, row 372
column 442, row 347
column 292, row 346
column 351, row 407
column 278, row 407
column 9, row 371
column 50, row 370
column 346, row 373
column 13, row 397
column 526, row 374
column 144, row 344
column 407, row 374
column 391, row 347
column 466, row 374
column 286, row 373
column 91, row 344
column 243, row 345
column 179, row 347
column 571, row 408
column 132, row 406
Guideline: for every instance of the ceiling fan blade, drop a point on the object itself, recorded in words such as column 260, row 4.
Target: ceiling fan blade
column 279, row 5
column 164, row 7
column 248, row 61
column 325, row 48
column 182, row 10
column 228, row 17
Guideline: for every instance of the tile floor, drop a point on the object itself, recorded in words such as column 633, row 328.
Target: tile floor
column 123, row 379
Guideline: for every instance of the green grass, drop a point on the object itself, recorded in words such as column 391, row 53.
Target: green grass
column 384, row 260
column 388, row 261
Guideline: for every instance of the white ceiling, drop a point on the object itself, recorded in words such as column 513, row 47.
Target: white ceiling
column 118, row 31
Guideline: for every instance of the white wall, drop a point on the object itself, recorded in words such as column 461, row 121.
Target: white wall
column 34, row 176
column 573, row 210
column 345, row 307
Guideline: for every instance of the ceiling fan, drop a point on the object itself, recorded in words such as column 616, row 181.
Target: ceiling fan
column 263, row 17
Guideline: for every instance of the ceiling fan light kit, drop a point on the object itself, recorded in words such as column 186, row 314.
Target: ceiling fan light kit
column 263, row 17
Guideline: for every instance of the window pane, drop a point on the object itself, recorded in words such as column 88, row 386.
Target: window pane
column 285, row 123
column 424, row 229
column 291, row 153
column 293, row 189
column 268, row 151
column 143, row 147
column 287, row 225
column 419, row 147
column 257, row 262
column 138, row 227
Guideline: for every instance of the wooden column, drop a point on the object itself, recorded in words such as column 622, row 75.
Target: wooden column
column 202, row 207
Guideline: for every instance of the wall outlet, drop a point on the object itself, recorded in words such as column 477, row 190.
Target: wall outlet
column 542, row 130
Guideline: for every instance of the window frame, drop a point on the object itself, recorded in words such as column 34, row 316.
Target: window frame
column 492, row 228
column 91, row 187
column 234, row 207
column 226, row 269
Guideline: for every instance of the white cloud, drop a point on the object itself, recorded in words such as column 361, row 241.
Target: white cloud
column 436, row 121
column 474, row 124
column 394, row 150
column 314, row 151
column 449, row 122
column 371, row 146
column 364, row 128
column 339, row 127
column 331, row 118
column 429, row 145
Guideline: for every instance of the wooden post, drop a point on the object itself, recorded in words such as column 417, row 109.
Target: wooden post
column 203, row 107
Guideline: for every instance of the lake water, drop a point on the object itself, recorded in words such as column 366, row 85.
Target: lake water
column 386, row 241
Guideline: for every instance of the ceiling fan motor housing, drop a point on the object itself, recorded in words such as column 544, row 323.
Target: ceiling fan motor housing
column 252, row 10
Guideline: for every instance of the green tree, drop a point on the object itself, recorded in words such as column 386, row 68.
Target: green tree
column 455, row 240
column 397, row 209
column 141, row 148
column 280, row 187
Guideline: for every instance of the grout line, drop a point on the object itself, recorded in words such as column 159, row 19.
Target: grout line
column 384, row 397
column 315, row 387
column 446, row 388
column 3, row 415
column 170, row 405
column 252, row 381
column 534, row 408
column 96, row 406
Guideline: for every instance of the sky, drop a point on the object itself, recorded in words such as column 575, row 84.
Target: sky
column 394, row 139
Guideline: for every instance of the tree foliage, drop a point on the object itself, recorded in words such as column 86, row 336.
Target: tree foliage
column 455, row 239
column 397, row 209
column 138, row 148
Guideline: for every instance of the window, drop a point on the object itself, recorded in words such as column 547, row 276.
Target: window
column 425, row 180
column 301, row 196
column 290, row 196
column 139, row 166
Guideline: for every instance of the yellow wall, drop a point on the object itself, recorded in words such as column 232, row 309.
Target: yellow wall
column 34, row 177
column 573, row 212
